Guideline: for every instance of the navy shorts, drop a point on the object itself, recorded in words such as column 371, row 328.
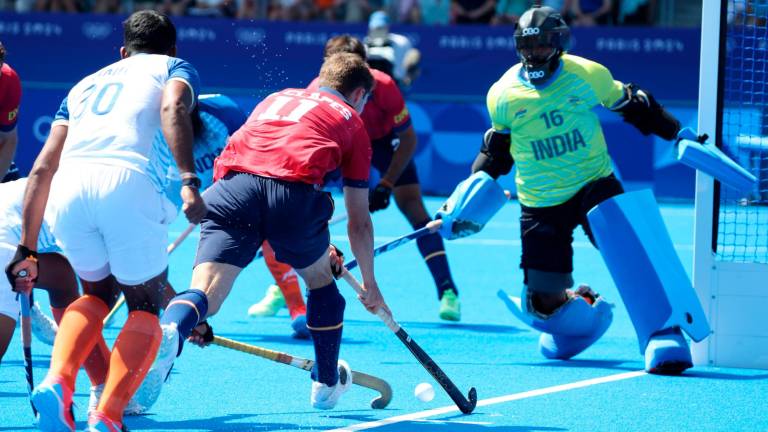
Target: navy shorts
column 12, row 174
column 547, row 232
column 383, row 149
column 246, row 209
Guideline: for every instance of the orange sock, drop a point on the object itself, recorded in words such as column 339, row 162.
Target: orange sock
column 97, row 362
column 79, row 331
column 287, row 280
column 132, row 355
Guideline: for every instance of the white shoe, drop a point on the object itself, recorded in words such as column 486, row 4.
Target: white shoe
column 325, row 397
column 43, row 327
column 93, row 401
column 150, row 388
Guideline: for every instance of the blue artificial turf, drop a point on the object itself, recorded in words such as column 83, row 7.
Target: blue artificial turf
column 216, row 389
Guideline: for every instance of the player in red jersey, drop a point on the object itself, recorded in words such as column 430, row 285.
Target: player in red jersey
column 268, row 186
column 393, row 141
column 10, row 98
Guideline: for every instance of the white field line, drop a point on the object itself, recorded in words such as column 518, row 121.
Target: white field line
column 492, row 401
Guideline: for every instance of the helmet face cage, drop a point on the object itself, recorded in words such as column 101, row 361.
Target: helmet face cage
column 541, row 28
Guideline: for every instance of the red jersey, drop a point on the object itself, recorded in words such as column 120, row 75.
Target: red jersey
column 10, row 98
column 385, row 111
column 300, row 135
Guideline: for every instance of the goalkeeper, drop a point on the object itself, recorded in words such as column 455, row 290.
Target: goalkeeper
column 543, row 122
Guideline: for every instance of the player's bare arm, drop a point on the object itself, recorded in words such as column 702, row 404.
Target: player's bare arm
column 176, row 121
column 360, row 231
column 36, row 197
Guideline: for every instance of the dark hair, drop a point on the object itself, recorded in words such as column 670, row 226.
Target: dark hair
column 148, row 32
column 344, row 44
column 344, row 72
column 2, row 53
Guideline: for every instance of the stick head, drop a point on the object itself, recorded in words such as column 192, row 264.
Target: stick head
column 472, row 399
column 383, row 400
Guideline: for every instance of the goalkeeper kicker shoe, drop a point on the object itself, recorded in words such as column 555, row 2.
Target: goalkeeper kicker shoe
column 450, row 306
column 272, row 302
column 149, row 391
column 326, row 397
column 43, row 327
column 667, row 353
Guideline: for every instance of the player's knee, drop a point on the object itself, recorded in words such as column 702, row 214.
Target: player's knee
column 325, row 308
column 318, row 274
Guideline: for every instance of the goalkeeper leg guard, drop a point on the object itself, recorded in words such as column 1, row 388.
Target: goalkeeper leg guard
column 659, row 297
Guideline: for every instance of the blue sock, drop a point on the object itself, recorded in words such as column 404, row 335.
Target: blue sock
column 325, row 317
column 433, row 251
column 186, row 310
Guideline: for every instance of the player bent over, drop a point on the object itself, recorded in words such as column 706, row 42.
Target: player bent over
column 543, row 122
column 393, row 140
column 216, row 118
column 268, row 181
column 106, row 214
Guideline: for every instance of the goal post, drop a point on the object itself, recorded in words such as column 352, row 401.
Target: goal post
column 730, row 269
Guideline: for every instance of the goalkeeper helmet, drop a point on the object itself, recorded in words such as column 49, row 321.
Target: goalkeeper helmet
column 541, row 37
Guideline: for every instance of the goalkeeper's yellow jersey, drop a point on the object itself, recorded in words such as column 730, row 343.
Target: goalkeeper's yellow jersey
column 557, row 140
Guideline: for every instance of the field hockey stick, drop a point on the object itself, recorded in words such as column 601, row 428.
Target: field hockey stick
column 332, row 221
column 359, row 378
column 171, row 247
column 465, row 404
column 386, row 247
column 26, row 340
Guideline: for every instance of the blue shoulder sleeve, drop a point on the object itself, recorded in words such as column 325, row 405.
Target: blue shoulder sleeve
column 223, row 108
column 63, row 113
column 182, row 70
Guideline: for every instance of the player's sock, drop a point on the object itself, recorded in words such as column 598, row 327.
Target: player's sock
column 132, row 355
column 79, row 331
column 433, row 251
column 186, row 310
column 286, row 279
column 325, row 318
column 97, row 362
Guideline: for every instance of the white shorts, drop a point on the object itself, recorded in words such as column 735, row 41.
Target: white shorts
column 110, row 219
column 9, row 306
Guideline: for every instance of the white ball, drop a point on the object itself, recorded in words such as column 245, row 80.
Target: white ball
column 424, row 392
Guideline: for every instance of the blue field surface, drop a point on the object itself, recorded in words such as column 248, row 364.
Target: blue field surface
column 603, row 389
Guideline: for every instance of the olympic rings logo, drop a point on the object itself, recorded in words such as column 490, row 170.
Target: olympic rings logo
column 531, row 31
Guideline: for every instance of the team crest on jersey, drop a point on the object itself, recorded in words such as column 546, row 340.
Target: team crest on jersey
column 12, row 115
column 520, row 113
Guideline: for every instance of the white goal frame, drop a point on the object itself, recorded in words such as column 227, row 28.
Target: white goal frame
column 734, row 295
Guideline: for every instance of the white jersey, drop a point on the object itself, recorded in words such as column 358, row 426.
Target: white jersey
column 11, row 202
column 114, row 114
